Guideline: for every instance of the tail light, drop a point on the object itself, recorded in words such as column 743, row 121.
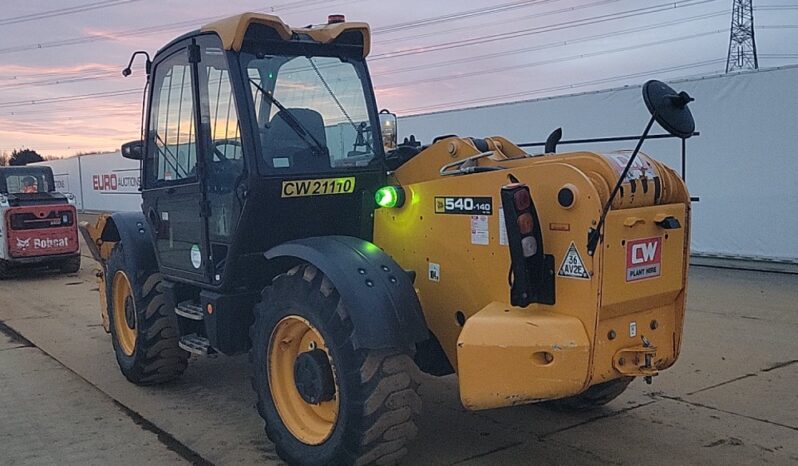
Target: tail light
column 531, row 270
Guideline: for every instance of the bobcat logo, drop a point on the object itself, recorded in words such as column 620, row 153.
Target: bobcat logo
column 23, row 244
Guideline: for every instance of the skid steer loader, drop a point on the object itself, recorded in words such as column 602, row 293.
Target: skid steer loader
column 280, row 218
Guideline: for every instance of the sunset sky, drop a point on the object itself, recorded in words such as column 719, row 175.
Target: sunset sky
column 61, row 90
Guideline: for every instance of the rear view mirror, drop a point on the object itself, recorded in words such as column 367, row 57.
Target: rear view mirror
column 388, row 130
column 133, row 150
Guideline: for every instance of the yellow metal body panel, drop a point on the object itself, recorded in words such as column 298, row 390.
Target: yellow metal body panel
column 522, row 356
column 233, row 29
column 102, row 250
column 469, row 274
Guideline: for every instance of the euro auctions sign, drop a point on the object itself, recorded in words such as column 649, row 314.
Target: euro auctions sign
column 643, row 258
column 115, row 182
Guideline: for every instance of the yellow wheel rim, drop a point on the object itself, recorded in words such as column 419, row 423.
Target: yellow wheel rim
column 124, row 313
column 312, row 424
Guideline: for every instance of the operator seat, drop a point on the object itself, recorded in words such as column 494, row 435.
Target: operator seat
column 284, row 148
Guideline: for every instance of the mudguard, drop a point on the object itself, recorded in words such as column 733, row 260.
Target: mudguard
column 377, row 292
column 132, row 230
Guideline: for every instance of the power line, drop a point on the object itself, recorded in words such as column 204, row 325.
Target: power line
column 500, row 69
column 503, row 22
column 550, row 45
column 113, row 74
column 501, row 98
column 539, row 30
column 94, row 95
column 64, row 11
column 506, row 35
column 180, row 25
column 502, row 8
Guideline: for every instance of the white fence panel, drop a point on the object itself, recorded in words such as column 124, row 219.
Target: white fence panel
column 744, row 166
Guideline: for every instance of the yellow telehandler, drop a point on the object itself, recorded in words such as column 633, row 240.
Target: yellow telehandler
column 281, row 218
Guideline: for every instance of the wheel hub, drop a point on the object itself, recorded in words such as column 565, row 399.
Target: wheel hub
column 130, row 313
column 314, row 377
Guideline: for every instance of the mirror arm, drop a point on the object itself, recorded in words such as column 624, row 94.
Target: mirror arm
column 147, row 65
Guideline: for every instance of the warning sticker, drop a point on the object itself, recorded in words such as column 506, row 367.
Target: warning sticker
column 479, row 230
column 572, row 265
column 641, row 167
column 434, row 273
column 643, row 258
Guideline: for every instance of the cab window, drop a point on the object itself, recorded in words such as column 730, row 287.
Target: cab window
column 172, row 148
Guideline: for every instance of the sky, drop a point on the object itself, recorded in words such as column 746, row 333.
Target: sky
column 62, row 93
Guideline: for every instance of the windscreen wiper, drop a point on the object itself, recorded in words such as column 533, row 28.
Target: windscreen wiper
column 299, row 129
column 338, row 102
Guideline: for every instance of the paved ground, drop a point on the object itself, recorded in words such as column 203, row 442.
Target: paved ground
column 731, row 399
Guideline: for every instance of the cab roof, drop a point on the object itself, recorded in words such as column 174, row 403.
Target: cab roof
column 233, row 29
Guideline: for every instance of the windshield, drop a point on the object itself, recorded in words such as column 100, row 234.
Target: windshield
column 312, row 112
column 25, row 181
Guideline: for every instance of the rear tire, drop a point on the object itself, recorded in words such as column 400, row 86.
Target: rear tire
column 143, row 324
column 71, row 265
column 370, row 417
column 596, row 396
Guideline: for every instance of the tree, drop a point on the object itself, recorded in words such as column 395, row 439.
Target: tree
column 3, row 159
column 24, row 157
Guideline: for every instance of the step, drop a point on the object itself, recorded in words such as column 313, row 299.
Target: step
column 195, row 344
column 189, row 310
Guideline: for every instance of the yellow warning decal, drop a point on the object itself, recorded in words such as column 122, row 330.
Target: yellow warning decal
column 320, row 187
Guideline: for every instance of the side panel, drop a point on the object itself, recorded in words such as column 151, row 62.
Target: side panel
column 377, row 292
column 462, row 260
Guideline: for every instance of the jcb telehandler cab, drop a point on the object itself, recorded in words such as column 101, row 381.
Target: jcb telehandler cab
column 280, row 218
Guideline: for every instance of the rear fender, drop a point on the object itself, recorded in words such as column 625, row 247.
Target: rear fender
column 132, row 231
column 378, row 294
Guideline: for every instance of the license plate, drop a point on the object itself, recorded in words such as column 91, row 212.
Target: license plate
column 318, row 187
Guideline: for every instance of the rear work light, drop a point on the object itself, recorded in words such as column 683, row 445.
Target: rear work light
column 531, row 270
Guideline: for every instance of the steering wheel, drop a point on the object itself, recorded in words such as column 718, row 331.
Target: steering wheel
column 224, row 142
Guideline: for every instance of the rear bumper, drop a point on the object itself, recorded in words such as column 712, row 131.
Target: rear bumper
column 42, row 260
column 509, row 356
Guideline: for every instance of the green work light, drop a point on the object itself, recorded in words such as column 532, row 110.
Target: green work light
column 390, row 196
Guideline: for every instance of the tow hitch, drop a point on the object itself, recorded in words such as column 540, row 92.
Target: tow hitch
column 637, row 361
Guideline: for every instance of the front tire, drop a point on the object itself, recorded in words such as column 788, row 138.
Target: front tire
column 359, row 407
column 143, row 324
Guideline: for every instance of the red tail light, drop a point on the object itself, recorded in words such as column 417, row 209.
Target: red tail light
column 532, row 274
column 521, row 199
column 525, row 223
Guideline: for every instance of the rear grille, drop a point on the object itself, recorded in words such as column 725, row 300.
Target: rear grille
column 29, row 221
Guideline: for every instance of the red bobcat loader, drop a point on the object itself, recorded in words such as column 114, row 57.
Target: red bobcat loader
column 38, row 226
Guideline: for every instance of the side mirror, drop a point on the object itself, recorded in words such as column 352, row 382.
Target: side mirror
column 133, row 150
column 388, row 130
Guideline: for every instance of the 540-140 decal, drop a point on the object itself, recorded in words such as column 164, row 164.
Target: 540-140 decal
column 464, row 205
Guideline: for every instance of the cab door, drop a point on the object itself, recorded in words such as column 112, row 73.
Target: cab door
column 173, row 196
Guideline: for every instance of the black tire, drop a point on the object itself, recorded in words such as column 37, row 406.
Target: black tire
column 156, row 357
column 592, row 398
column 378, row 390
column 71, row 265
column 5, row 270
